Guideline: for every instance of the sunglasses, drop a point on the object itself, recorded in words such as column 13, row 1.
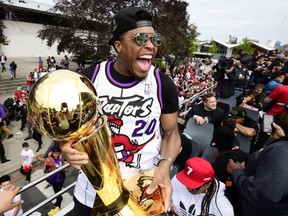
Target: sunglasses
column 196, row 189
column 141, row 38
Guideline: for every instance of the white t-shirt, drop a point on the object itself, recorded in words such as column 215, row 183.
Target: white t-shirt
column 188, row 75
column 10, row 212
column 188, row 204
column 3, row 59
column 27, row 156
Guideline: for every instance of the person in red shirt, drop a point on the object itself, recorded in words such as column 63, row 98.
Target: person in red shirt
column 278, row 95
column 18, row 92
column 30, row 80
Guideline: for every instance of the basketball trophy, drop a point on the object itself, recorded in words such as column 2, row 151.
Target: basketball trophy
column 63, row 105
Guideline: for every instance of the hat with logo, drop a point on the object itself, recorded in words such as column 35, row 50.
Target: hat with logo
column 196, row 173
column 238, row 112
column 130, row 18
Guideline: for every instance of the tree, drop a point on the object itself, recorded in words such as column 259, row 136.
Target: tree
column 3, row 38
column 85, row 26
column 180, row 36
column 82, row 30
column 193, row 48
column 246, row 46
column 213, row 48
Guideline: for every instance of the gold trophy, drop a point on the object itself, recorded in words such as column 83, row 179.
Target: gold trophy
column 63, row 105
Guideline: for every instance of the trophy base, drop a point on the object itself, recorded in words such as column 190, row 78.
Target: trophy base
column 137, row 186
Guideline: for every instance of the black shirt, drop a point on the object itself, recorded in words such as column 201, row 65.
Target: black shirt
column 215, row 117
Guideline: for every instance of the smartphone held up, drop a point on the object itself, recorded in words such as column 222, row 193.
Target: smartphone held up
column 267, row 123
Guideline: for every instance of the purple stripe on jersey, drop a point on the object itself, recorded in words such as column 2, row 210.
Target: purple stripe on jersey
column 122, row 85
column 158, row 80
column 95, row 73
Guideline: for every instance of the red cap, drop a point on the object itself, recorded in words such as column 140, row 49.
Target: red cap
column 197, row 172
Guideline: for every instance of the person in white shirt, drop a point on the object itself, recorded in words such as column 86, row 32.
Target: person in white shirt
column 3, row 60
column 196, row 191
column 27, row 156
column 5, row 183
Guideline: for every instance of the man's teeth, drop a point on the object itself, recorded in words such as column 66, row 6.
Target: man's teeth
column 146, row 57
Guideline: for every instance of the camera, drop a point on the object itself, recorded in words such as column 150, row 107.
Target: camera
column 248, row 61
column 225, row 63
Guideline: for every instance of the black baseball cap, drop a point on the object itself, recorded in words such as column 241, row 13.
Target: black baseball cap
column 130, row 18
column 238, row 112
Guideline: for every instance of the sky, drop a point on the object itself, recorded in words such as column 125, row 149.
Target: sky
column 261, row 20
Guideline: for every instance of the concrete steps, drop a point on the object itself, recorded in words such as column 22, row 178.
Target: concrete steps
column 8, row 87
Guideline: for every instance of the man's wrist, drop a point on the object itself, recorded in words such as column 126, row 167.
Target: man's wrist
column 163, row 159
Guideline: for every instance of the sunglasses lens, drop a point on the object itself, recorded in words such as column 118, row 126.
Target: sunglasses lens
column 140, row 38
column 157, row 39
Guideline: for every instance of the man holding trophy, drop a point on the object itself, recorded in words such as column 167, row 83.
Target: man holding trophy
column 141, row 105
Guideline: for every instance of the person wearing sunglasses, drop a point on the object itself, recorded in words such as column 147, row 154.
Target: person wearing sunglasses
column 196, row 191
column 137, row 98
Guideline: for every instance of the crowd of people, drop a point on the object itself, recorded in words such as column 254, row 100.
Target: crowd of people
column 234, row 182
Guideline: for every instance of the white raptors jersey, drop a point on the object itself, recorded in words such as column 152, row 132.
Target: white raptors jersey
column 133, row 111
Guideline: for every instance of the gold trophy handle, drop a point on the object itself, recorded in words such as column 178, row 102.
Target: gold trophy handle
column 103, row 172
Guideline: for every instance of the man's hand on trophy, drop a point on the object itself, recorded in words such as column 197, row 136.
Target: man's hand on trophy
column 161, row 180
column 73, row 156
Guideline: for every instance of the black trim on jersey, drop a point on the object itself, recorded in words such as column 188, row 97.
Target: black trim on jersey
column 169, row 91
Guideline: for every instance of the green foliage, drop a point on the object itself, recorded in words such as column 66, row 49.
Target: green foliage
column 88, row 26
column 246, row 46
column 3, row 39
column 213, row 48
column 193, row 48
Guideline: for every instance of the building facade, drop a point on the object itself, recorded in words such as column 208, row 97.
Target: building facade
column 23, row 20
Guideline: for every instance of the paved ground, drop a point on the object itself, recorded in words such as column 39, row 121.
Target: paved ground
column 13, row 146
column 24, row 67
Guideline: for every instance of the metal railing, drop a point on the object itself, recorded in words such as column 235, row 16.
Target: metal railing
column 186, row 103
column 49, row 199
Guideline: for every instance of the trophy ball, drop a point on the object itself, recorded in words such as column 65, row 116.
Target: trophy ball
column 63, row 105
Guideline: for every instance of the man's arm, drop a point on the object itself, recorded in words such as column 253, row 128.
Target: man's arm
column 267, row 100
column 7, row 199
column 171, row 142
column 231, row 74
column 170, row 148
column 247, row 131
column 256, row 188
column 192, row 114
column 17, row 208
